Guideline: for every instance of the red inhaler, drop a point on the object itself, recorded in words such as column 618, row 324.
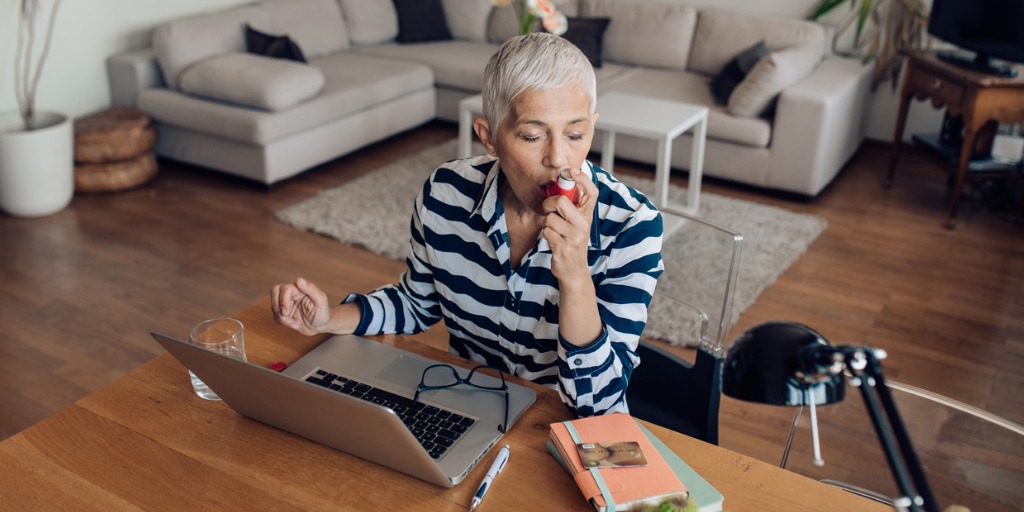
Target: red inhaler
column 564, row 186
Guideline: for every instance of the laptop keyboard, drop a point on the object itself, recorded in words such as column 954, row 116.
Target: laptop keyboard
column 435, row 428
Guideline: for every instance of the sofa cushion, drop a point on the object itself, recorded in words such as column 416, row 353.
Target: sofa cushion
column 180, row 43
column 692, row 88
column 252, row 80
column 269, row 45
column 735, row 71
column 770, row 76
column 467, row 19
column 588, row 35
column 379, row 81
column 370, row 22
column 647, row 34
column 456, row 64
column 316, row 25
column 421, row 21
column 722, row 34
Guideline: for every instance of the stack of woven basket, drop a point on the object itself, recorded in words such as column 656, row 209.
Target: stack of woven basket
column 114, row 150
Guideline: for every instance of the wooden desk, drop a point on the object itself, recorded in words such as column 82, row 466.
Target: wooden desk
column 147, row 442
column 976, row 97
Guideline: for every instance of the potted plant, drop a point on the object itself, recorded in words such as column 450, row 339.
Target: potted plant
column 883, row 29
column 36, row 147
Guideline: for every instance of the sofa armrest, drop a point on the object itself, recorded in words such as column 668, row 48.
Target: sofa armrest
column 819, row 124
column 130, row 72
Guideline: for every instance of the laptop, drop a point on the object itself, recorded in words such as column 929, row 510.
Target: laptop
column 324, row 397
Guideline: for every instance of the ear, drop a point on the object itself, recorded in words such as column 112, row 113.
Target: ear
column 483, row 132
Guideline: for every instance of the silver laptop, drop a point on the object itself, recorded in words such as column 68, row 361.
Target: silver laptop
column 315, row 398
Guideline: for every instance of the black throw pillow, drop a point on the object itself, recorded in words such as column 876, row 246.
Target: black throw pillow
column 420, row 21
column 588, row 35
column 735, row 71
column 278, row 47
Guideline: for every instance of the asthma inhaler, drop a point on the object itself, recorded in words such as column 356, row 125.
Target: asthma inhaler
column 564, row 186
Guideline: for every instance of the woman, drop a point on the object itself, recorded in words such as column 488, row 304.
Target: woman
column 552, row 289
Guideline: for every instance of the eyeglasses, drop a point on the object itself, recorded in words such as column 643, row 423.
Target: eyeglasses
column 442, row 376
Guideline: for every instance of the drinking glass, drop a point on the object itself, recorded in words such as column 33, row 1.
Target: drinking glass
column 223, row 335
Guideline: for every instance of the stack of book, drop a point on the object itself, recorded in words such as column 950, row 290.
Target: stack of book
column 620, row 466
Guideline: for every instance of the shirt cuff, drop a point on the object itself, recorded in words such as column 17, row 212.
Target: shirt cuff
column 586, row 360
column 364, row 319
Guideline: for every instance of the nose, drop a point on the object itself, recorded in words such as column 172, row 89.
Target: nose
column 556, row 154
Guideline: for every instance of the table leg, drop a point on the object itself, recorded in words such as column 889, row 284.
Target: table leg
column 465, row 132
column 897, row 139
column 696, row 166
column 662, row 171
column 608, row 151
column 970, row 134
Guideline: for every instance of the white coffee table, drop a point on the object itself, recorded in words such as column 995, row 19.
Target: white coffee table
column 663, row 121
column 468, row 108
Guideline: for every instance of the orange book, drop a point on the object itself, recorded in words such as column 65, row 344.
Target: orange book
column 628, row 487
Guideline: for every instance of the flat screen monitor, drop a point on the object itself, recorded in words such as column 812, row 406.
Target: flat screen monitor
column 991, row 29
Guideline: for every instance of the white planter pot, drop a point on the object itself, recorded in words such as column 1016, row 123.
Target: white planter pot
column 37, row 173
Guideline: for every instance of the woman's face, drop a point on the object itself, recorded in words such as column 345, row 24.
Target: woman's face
column 544, row 131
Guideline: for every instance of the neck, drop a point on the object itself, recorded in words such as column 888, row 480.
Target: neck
column 515, row 208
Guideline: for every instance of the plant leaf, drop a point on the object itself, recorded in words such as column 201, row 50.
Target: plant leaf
column 827, row 6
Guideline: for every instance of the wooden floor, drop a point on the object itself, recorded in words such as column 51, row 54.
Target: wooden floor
column 80, row 289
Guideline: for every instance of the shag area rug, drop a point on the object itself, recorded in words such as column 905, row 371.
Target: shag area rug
column 696, row 257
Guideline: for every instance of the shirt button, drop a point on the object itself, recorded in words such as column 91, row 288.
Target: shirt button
column 577, row 362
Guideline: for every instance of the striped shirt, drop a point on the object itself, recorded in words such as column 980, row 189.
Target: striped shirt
column 459, row 270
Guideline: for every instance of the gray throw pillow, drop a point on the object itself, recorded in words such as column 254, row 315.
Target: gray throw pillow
column 735, row 71
column 771, row 75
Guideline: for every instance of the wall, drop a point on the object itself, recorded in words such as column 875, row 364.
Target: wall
column 87, row 31
column 74, row 80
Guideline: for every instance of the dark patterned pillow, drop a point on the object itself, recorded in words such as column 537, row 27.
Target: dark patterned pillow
column 420, row 21
column 588, row 35
column 735, row 71
column 278, row 47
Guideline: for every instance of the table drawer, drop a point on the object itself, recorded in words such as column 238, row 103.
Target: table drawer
column 941, row 91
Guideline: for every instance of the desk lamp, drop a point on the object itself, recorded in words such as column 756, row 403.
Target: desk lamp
column 785, row 363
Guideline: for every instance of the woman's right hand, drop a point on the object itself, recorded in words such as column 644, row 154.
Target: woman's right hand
column 301, row 306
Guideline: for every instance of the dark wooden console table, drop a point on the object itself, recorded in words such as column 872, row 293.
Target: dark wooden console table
column 978, row 98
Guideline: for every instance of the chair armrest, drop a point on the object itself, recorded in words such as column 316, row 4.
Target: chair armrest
column 131, row 72
column 819, row 124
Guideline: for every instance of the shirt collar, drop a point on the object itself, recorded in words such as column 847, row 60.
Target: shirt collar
column 486, row 204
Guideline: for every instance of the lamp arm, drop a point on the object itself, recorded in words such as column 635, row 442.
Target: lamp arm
column 899, row 452
column 902, row 437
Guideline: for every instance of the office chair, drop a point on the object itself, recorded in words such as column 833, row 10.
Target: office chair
column 666, row 389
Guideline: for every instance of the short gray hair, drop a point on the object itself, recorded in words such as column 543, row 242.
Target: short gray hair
column 536, row 61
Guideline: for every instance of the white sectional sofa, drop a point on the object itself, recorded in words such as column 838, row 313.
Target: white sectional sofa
column 218, row 107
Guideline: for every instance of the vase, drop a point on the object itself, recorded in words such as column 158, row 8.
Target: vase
column 36, row 166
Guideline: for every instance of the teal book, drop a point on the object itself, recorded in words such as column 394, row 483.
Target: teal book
column 702, row 494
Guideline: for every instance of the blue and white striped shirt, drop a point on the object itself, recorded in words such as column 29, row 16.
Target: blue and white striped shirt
column 459, row 270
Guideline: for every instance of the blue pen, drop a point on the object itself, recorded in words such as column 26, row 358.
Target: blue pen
column 496, row 467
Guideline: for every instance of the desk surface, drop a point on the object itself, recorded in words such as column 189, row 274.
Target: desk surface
column 147, row 442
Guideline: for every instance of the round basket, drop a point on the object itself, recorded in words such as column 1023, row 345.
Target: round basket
column 115, row 176
column 118, row 133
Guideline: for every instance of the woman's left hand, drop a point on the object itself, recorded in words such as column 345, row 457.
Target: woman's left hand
column 567, row 230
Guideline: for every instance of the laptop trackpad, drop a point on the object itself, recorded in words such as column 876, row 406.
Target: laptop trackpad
column 404, row 372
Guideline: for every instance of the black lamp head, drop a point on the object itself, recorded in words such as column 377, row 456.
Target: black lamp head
column 782, row 363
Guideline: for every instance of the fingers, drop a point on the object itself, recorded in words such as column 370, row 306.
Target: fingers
column 588, row 189
column 291, row 303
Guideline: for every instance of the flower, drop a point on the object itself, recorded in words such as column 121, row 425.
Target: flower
column 529, row 11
